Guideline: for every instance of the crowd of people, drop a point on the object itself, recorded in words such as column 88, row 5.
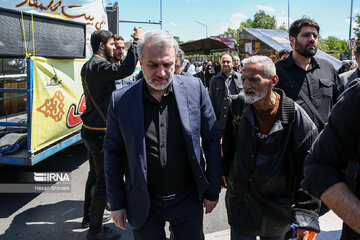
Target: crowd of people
column 280, row 137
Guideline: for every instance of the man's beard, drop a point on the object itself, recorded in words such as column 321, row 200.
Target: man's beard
column 227, row 70
column 108, row 53
column 255, row 96
column 303, row 51
column 158, row 87
column 120, row 59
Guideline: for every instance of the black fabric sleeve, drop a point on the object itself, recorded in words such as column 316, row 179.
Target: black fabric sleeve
column 112, row 71
column 336, row 146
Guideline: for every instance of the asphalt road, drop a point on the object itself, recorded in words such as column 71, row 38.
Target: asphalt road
column 57, row 216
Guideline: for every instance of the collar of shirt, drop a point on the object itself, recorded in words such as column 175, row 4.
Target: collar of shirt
column 225, row 77
column 149, row 97
column 290, row 62
column 101, row 57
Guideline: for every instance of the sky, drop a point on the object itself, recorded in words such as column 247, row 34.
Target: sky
column 179, row 16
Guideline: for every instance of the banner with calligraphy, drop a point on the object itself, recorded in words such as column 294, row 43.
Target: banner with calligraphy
column 58, row 100
column 91, row 12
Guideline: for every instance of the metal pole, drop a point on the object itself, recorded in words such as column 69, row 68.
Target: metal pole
column 161, row 14
column 149, row 22
column 202, row 24
column 350, row 51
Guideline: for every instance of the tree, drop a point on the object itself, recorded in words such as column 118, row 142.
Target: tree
column 261, row 20
column 235, row 33
column 333, row 44
column 282, row 27
column 357, row 28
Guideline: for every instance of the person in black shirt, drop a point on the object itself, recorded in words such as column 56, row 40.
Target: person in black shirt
column 313, row 83
column 153, row 139
column 98, row 76
column 224, row 86
column 331, row 169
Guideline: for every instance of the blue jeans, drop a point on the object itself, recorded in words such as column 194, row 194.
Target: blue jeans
column 236, row 236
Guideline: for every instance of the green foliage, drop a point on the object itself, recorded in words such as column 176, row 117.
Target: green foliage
column 333, row 44
column 357, row 28
column 282, row 27
column 235, row 33
column 261, row 20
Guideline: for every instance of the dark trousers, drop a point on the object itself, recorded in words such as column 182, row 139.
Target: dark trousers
column 95, row 199
column 184, row 213
column 236, row 236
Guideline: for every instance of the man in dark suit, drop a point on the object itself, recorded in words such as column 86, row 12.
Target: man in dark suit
column 153, row 138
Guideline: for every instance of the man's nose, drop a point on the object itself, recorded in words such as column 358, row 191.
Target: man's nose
column 160, row 71
column 312, row 38
column 245, row 84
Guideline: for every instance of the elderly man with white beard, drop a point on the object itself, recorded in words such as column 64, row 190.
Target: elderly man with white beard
column 265, row 142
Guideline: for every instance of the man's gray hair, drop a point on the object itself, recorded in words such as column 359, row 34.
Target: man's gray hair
column 180, row 54
column 159, row 38
column 269, row 66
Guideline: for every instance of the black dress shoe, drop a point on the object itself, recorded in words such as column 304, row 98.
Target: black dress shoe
column 104, row 234
column 86, row 220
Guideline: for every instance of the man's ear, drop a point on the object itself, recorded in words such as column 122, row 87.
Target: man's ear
column 292, row 41
column 101, row 46
column 275, row 80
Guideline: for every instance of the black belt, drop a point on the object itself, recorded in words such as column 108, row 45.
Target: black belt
column 167, row 197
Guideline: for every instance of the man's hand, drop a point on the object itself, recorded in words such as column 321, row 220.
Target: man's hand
column 119, row 218
column 224, row 181
column 304, row 234
column 137, row 33
column 209, row 205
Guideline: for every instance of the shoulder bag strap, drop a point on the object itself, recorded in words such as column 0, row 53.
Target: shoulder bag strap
column 312, row 108
column 93, row 101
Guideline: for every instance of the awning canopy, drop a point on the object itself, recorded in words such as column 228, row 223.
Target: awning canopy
column 278, row 40
column 204, row 46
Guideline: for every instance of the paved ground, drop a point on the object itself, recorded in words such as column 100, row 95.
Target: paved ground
column 57, row 216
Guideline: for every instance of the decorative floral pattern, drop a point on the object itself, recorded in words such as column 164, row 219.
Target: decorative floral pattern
column 53, row 107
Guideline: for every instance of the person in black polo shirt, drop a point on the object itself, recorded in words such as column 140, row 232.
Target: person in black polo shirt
column 153, row 139
column 313, row 83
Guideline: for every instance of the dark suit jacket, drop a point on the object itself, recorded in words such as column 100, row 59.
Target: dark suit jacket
column 125, row 153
